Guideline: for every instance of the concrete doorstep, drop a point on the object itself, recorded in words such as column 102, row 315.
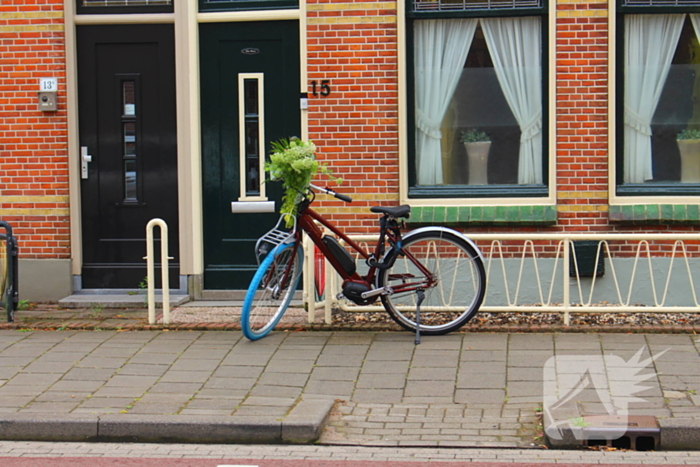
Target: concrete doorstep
column 302, row 425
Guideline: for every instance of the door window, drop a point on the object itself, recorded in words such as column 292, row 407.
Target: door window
column 251, row 135
column 129, row 138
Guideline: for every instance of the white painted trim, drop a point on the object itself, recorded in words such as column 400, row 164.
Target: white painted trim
column 153, row 18
column 612, row 122
column 402, row 87
column 189, row 164
column 252, row 15
column 552, row 117
column 303, row 67
column 543, row 201
column 246, row 207
column 76, row 232
column 260, row 79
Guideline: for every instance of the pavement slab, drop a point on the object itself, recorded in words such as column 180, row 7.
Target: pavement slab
column 348, row 388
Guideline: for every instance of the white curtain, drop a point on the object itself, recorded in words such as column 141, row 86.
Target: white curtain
column 650, row 42
column 515, row 46
column 441, row 49
column 696, row 24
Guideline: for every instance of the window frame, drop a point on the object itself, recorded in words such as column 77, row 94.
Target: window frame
column 81, row 9
column 479, row 192
column 237, row 5
column 651, row 189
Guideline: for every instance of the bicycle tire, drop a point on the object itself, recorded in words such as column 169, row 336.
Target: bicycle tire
column 265, row 302
column 457, row 291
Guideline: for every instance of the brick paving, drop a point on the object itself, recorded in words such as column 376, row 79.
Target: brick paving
column 454, row 425
column 342, row 453
column 463, row 389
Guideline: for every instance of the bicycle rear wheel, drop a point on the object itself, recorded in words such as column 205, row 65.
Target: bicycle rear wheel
column 271, row 291
column 453, row 280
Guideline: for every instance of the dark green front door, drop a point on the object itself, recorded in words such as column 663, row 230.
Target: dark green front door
column 243, row 64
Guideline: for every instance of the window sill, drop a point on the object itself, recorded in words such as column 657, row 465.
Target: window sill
column 655, row 214
column 484, row 215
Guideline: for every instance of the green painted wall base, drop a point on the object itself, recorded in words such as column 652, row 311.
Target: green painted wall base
column 655, row 214
column 484, row 215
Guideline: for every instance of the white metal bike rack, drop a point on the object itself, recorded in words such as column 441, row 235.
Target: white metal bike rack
column 558, row 289
column 151, row 270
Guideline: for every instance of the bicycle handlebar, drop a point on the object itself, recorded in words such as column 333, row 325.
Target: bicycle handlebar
column 328, row 191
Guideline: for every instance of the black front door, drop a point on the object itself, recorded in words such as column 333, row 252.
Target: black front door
column 250, row 96
column 126, row 91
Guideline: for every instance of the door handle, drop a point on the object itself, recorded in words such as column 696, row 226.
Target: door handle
column 84, row 159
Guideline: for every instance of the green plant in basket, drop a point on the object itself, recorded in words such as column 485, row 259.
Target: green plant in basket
column 293, row 162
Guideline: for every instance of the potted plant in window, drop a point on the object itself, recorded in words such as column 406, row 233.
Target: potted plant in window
column 689, row 147
column 477, row 144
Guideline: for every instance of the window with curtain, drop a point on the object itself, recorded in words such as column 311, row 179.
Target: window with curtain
column 479, row 91
column 659, row 119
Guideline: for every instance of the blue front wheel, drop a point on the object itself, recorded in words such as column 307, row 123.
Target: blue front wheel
column 271, row 291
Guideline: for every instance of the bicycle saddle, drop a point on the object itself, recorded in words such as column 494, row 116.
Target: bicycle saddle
column 393, row 211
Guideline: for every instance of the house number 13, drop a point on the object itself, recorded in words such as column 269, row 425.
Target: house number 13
column 325, row 87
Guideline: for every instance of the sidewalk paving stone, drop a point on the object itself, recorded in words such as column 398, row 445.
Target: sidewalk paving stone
column 462, row 389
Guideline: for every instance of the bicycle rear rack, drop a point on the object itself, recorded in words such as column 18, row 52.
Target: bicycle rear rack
column 273, row 238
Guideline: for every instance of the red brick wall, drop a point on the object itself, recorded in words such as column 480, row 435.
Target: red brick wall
column 354, row 47
column 582, row 115
column 33, row 144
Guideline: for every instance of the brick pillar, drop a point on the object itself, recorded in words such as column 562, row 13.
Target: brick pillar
column 33, row 157
column 582, row 114
column 352, row 47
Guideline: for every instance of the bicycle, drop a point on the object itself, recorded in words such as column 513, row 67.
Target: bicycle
column 430, row 281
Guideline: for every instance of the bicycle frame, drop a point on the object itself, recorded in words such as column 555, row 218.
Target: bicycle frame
column 305, row 222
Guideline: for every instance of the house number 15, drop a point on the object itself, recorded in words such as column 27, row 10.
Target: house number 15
column 325, row 87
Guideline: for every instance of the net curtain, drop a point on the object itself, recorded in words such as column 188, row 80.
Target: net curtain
column 441, row 50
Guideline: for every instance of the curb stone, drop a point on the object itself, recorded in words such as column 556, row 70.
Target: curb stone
column 679, row 434
column 303, row 425
column 306, row 421
column 187, row 429
column 40, row 427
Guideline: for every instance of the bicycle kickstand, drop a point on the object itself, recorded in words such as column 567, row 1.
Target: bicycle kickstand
column 421, row 297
